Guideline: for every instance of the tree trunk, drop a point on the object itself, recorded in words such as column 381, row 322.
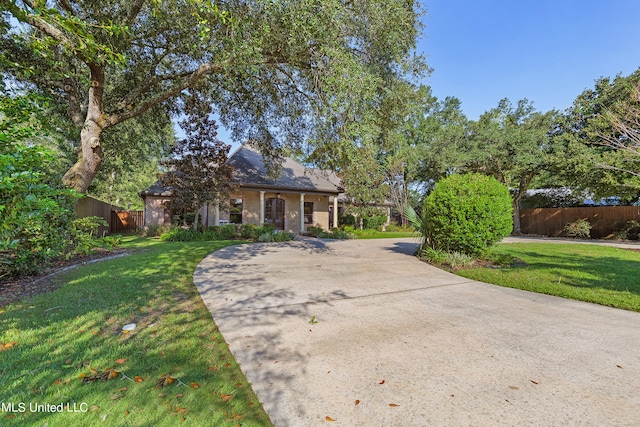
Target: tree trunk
column 516, row 217
column 90, row 155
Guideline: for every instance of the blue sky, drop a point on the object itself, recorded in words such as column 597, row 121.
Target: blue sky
column 546, row 51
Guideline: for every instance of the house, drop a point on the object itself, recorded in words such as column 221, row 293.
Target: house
column 298, row 198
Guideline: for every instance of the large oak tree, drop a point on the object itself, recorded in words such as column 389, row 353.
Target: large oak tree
column 277, row 72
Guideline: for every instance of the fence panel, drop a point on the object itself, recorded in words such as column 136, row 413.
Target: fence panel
column 88, row 206
column 126, row 221
column 550, row 221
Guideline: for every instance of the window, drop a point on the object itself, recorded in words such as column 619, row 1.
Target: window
column 235, row 211
column 308, row 213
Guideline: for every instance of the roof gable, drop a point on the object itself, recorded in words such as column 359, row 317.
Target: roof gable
column 249, row 170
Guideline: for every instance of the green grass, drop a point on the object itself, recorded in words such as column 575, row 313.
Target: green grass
column 375, row 234
column 62, row 335
column 598, row 274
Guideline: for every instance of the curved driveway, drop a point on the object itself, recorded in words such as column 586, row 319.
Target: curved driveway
column 400, row 343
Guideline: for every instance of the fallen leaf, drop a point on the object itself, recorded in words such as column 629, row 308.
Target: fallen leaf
column 112, row 373
column 161, row 395
column 57, row 382
column 357, row 402
column 535, row 382
column 116, row 396
column 94, row 408
column 226, row 397
column 179, row 395
column 381, row 382
column 194, row 385
column 68, row 362
column 393, row 405
column 181, row 411
column 126, row 412
column 213, row 368
column 138, row 379
column 8, row 345
column 123, row 389
column 618, row 366
column 328, row 418
column 121, row 361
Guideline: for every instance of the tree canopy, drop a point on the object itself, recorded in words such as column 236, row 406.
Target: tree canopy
column 308, row 72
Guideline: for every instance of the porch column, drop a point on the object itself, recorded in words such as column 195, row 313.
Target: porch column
column 261, row 219
column 216, row 214
column 302, row 213
column 335, row 211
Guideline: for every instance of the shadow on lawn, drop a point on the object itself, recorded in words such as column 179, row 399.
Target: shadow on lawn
column 591, row 271
column 62, row 334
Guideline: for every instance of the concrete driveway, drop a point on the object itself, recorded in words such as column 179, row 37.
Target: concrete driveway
column 400, row 343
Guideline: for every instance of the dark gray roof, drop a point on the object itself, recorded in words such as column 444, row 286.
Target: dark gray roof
column 249, row 170
column 156, row 190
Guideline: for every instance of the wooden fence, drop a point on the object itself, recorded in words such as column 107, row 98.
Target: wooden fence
column 119, row 220
column 550, row 221
column 125, row 221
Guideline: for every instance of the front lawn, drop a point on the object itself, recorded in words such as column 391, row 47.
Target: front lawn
column 67, row 347
column 598, row 274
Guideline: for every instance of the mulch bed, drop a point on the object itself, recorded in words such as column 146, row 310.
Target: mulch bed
column 15, row 289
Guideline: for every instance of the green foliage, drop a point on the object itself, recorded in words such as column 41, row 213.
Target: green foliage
column 37, row 219
column 223, row 232
column 627, row 230
column 466, row 213
column 374, row 222
column 275, row 72
column 270, row 236
column 580, row 229
column 347, row 220
column 314, row 231
column 154, row 230
column 84, row 232
column 452, row 260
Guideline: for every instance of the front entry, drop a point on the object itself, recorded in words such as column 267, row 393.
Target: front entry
column 274, row 213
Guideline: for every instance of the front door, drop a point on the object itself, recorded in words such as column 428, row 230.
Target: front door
column 274, row 213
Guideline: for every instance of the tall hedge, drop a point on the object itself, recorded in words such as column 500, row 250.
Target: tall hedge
column 467, row 213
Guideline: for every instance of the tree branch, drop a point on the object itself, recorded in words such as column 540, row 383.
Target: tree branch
column 185, row 82
column 133, row 13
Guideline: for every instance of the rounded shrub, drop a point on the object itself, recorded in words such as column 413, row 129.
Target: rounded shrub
column 467, row 213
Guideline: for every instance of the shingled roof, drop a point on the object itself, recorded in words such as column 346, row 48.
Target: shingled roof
column 249, row 171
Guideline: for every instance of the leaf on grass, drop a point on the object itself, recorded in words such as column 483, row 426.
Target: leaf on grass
column 179, row 395
column 108, row 374
column 121, row 361
column 195, row 385
column 126, row 412
column 328, row 418
column 393, row 405
column 357, row 402
column 226, row 397
column 68, row 362
column 181, row 411
column 94, row 408
column 123, row 389
column 116, row 396
column 165, row 380
column 138, row 379
column 8, row 345
column 161, row 395
column 213, row 368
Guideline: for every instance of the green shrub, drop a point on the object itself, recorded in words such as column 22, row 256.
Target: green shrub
column 627, row 230
column 467, row 214
column 374, row 222
column 83, row 234
column 314, row 231
column 336, row 233
column 580, row 229
column 453, row 260
column 347, row 220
